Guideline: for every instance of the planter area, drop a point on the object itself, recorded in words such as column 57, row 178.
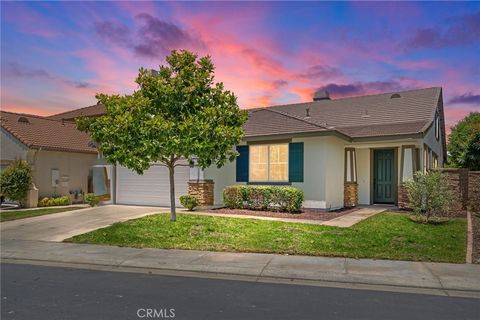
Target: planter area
column 476, row 238
column 305, row 214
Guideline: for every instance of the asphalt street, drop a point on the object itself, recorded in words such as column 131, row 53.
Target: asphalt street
column 39, row 292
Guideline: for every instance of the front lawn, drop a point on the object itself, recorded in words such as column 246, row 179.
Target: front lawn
column 384, row 236
column 7, row 215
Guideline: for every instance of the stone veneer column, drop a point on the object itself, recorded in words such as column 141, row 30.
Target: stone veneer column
column 402, row 197
column 203, row 190
column 350, row 194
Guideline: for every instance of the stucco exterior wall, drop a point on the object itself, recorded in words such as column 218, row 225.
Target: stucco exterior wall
column 323, row 173
column 435, row 145
column 11, row 148
column 363, row 175
column 74, row 169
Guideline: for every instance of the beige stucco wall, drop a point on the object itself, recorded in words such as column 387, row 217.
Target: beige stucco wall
column 11, row 148
column 323, row 173
column 74, row 170
column 363, row 175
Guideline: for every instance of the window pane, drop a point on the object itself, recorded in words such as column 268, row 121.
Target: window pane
column 258, row 163
column 279, row 162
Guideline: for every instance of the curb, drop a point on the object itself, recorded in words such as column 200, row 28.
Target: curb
column 468, row 258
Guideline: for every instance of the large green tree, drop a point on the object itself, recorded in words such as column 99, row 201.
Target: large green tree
column 177, row 114
column 460, row 138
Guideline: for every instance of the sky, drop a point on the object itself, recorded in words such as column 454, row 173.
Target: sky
column 55, row 56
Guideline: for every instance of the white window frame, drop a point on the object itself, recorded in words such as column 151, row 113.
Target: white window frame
column 437, row 127
column 268, row 164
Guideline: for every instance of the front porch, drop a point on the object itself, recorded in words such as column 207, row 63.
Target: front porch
column 375, row 172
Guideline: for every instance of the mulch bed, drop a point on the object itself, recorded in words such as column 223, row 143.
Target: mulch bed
column 307, row 214
column 476, row 238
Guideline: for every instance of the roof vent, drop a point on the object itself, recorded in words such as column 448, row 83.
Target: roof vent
column 308, row 113
column 321, row 95
column 365, row 114
column 395, row 95
column 23, row 120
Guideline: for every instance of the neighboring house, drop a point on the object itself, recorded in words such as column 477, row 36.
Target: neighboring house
column 61, row 156
column 340, row 152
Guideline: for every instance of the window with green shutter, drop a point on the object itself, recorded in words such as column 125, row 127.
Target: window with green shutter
column 295, row 163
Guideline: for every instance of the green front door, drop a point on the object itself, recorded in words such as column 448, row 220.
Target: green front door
column 383, row 176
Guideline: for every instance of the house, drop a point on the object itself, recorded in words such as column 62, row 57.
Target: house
column 340, row 152
column 61, row 157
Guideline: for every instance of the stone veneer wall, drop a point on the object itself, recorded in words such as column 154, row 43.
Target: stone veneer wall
column 203, row 190
column 402, row 197
column 474, row 190
column 350, row 194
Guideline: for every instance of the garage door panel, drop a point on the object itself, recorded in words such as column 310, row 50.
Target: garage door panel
column 151, row 188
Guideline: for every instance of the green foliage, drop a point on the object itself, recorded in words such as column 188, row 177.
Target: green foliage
column 281, row 198
column 461, row 148
column 189, row 201
column 429, row 194
column 15, row 181
column 472, row 153
column 179, row 113
column 55, row 201
column 8, row 215
column 91, row 199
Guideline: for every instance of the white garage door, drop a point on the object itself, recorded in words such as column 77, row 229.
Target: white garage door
column 152, row 188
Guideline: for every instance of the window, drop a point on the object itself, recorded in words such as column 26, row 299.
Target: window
column 437, row 127
column 269, row 162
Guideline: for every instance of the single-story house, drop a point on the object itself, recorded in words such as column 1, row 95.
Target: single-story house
column 61, row 157
column 340, row 152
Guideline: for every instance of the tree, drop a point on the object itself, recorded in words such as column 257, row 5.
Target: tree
column 178, row 113
column 460, row 139
column 15, row 181
column 472, row 153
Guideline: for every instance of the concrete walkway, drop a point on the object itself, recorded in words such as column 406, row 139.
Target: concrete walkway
column 432, row 278
column 355, row 217
column 60, row 226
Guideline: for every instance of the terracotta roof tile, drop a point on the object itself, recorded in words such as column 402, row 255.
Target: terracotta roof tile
column 39, row 132
column 90, row 111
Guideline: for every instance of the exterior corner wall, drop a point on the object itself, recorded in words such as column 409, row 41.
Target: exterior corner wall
column 74, row 169
column 11, row 148
column 434, row 144
column 222, row 178
column 350, row 194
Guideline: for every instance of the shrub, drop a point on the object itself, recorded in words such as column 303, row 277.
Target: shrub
column 55, row 201
column 232, row 197
column 91, row 199
column 282, row 198
column 429, row 194
column 15, row 181
column 189, row 201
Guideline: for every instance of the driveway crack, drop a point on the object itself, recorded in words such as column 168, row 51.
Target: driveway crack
column 436, row 277
column 263, row 269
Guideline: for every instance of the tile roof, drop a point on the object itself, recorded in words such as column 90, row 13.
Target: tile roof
column 39, row 132
column 363, row 116
column 91, row 111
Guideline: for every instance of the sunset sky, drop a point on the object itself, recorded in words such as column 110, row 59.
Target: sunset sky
column 56, row 55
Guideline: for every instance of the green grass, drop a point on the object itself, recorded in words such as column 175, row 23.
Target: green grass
column 7, row 215
column 384, row 236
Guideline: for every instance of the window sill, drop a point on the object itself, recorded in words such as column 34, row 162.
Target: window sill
column 270, row 183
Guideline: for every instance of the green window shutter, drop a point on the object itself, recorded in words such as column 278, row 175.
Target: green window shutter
column 295, row 162
column 242, row 164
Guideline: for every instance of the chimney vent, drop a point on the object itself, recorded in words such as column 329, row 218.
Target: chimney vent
column 23, row 120
column 321, row 95
column 308, row 113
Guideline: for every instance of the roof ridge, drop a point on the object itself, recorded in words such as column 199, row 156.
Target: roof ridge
column 73, row 110
column 343, row 98
column 36, row 116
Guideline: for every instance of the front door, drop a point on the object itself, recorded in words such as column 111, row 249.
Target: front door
column 383, row 177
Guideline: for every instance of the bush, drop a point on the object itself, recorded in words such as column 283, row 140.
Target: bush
column 189, row 201
column 91, row 199
column 15, row 181
column 281, row 198
column 55, row 201
column 429, row 194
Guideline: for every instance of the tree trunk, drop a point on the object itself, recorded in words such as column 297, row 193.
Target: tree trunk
column 171, row 171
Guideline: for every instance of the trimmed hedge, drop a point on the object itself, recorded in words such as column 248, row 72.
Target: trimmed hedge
column 278, row 198
column 57, row 201
column 189, row 201
column 91, row 199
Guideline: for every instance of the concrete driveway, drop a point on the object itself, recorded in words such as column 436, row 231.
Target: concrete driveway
column 60, row 226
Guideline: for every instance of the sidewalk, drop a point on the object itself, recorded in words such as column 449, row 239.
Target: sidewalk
column 440, row 278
